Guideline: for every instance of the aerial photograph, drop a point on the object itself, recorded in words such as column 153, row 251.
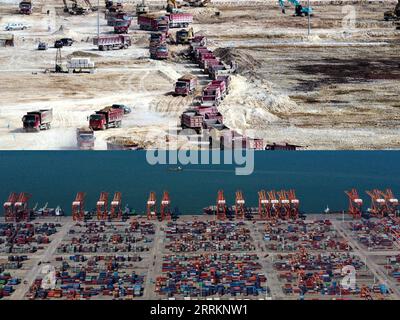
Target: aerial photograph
column 199, row 157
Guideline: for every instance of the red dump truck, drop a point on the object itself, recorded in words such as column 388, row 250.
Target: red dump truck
column 158, row 45
column 111, row 42
column 153, row 22
column 211, row 96
column 25, row 7
column 37, row 120
column 106, row 118
column 185, row 85
column 85, row 138
column 191, row 119
column 122, row 26
column 179, row 20
column 222, row 87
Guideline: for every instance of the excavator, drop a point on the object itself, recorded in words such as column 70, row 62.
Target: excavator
column 78, row 9
column 174, row 5
column 142, row 8
column 393, row 15
column 299, row 10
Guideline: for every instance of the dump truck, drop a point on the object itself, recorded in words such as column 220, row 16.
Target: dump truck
column 153, row 22
column 112, row 42
column 185, row 85
column 105, row 118
column 37, row 120
column 179, row 20
column 222, row 87
column 159, row 52
column 211, row 96
column 115, row 16
column 85, row 138
column 25, row 7
column 191, row 119
column 122, row 26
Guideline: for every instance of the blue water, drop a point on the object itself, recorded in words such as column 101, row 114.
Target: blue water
column 319, row 178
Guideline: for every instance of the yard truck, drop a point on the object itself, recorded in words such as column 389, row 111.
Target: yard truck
column 37, row 120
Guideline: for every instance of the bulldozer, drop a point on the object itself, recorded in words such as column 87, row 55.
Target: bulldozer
column 393, row 15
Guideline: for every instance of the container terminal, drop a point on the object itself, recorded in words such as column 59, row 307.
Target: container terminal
column 272, row 251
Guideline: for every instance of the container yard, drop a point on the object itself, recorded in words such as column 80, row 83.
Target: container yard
column 285, row 86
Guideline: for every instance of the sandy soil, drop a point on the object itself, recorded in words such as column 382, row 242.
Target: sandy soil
column 335, row 89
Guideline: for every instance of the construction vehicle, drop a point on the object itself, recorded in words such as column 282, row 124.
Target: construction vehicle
column 299, row 10
column 142, row 8
column 173, row 6
column 185, row 85
column 85, row 138
column 211, row 96
column 393, row 15
column 37, row 120
column 102, row 206
column 151, row 206
column 193, row 120
column 196, row 3
column 122, row 25
column 112, row 42
column 25, row 7
column 179, row 19
column 106, row 118
column 355, row 204
column 78, row 207
column 158, row 46
column 78, row 9
column 153, row 22
column 184, row 36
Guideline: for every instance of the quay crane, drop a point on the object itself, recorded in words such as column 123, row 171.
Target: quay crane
column 285, row 205
column 151, row 206
column 116, row 206
column 239, row 205
column 378, row 203
column 355, row 203
column 78, row 207
column 275, row 205
column 392, row 202
column 9, row 212
column 221, row 206
column 102, row 206
column 165, row 207
column 264, row 206
column 294, row 202
column 299, row 10
column 21, row 207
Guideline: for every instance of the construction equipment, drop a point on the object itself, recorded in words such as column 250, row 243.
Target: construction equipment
column 221, row 206
column 9, row 206
column 165, row 210
column 355, row 204
column 21, row 208
column 25, row 7
column 196, row 3
column 239, row 205
column 151, row 206
column 264, row 206
column 116, row 206
column 78, row 207
column 378, row 203
column 173, row 6
column 158, row 46
column 294, row 203
column 37, row 120
column 102, row 206
column 78, row 9
column 153, row 22
column 142, row 8
column 112, row 42
column 122, row 25
column 105, row 118
column 184, row 36
column 393, row 15
column 85, row 138
column 299, row 10
column 186, row 85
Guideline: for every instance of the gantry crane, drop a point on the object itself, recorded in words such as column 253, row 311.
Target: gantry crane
column 165, row 207
column 221, row 206
column 392, row 202
column 102, row 206
column 355, row 203
column 264, row 206
column 116, row 206
column 78, row 207
column 151, row 206
column 275, row 205
column 378, row 203
column 9, row 211
column 294, row 204
column 21, row 208
column 285, row 205
column 239, row 205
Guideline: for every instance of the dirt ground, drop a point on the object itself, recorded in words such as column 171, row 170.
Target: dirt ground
column 335, row 89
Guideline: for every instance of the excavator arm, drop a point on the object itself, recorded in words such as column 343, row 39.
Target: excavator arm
column 299, row 9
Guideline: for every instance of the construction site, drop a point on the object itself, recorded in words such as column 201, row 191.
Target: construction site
column 239, row 251
column 151, row 74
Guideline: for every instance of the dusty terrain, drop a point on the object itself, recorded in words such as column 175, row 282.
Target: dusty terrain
column 335, row 89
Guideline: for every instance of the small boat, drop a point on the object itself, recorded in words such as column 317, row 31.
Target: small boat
column 175, row 169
